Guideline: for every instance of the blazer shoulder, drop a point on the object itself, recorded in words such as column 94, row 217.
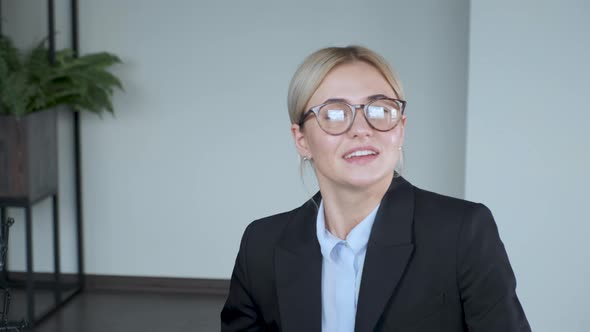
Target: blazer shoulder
column 436, row 207
column 271, row 227
column 432, row 200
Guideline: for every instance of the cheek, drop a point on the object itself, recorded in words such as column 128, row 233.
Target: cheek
column 392, row 140
column 323, row 146
column 396, row 137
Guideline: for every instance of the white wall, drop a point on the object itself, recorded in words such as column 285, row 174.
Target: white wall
column 171, row 182
column 528, row 148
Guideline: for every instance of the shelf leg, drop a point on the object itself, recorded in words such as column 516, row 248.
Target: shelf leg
column 56, row 251
column 30, row 279
column 4, row 272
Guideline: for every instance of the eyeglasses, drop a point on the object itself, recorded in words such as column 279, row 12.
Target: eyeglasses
column 336, row 117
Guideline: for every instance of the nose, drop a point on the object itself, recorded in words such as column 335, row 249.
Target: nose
column 360, row 125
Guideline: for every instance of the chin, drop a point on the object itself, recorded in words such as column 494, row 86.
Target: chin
column 368, row 180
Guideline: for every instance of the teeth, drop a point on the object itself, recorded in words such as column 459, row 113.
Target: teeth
column 360, row 153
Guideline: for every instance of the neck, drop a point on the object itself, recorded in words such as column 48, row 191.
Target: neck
column 346, row 207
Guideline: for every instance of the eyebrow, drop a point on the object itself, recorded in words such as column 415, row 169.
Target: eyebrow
column 342, row 100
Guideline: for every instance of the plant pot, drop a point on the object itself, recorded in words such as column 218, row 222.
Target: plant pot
column 28, row 157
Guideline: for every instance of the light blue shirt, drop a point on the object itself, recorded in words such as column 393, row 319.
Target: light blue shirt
column 342, row 268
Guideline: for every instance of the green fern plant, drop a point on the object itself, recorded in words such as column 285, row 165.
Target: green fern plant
column 29, row 83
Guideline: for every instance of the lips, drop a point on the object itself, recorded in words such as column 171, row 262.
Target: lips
column 360, row 152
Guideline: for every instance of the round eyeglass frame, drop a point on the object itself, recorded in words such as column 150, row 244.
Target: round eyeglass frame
column 316, row 109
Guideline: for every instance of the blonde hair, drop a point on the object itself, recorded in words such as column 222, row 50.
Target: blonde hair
column 317, row 65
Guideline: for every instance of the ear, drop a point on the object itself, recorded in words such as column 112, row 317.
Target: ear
column 300, row 141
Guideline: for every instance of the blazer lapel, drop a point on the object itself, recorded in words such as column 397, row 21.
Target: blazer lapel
column 298, row 272
column 388, row 252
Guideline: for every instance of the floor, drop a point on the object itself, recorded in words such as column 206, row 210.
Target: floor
column 127, row 311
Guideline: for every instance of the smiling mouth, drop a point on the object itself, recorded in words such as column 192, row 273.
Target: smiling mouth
column 360, row 153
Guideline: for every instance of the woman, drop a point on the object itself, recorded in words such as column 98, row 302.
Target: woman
column 369, row 252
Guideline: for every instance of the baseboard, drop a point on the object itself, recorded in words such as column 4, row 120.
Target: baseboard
column 158, row 284
column 139, row 283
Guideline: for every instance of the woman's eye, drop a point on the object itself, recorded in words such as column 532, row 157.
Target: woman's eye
column 335, row 115
column 377, row 112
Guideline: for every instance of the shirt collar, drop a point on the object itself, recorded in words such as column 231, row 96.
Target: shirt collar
column 357, row 239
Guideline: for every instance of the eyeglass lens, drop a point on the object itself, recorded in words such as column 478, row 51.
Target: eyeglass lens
column 336, row 118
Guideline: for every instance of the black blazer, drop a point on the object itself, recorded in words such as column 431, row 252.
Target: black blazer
column 433, row 263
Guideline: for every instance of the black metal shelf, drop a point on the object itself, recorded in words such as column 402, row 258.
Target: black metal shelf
column 50, row 291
